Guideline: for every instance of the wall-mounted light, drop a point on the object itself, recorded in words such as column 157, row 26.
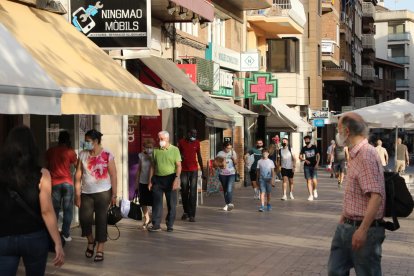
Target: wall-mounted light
column 195, row 19
column 182, row 14
column 170, row 8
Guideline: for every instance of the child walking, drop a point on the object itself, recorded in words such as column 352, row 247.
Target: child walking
column 265, row 178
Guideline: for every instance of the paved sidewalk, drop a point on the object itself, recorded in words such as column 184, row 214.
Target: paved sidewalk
column 292, row 239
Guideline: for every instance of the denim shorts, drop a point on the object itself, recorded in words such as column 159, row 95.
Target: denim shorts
column 265, row 185
column 310, row 172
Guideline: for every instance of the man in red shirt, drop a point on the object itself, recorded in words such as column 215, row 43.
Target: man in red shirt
column 359, row 235
column 190, row 154
column 58, row 161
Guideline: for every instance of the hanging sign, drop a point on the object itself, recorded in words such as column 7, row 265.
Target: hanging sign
column 261, row 88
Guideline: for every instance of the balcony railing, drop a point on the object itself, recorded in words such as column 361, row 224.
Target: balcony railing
column 399, row 36
column 368, row 9
column 402, row 83
column 401, row 60
column 384, row 85
column 368, row 73
column 288, row 8
column 368, row 41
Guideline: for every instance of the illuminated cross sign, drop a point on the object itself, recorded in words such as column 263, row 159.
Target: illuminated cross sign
column 261, row 88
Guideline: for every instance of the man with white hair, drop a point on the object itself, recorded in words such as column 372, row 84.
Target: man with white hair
column 165, row 179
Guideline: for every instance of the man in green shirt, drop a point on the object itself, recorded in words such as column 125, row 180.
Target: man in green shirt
column 165, row 179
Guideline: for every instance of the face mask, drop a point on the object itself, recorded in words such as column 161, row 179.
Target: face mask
column 149, row 151
column 192, row 138
column 283, row 144
column 88, row 145
column 163, row 144
column 258, row 147
column 340, row 140
column 307, row 143
column 266, row 155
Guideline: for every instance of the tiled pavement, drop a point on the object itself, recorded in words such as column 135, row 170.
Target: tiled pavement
column 292, row 239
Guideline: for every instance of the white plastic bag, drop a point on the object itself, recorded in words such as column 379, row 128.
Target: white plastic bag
column 250, row 161
column 125, row 205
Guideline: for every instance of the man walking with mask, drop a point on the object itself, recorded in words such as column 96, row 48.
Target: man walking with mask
column 310, row 155
column 257, row 154
column 164, row 179
column 190, row 153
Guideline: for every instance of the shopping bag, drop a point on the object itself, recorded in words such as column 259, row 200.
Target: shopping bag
column 135, row 208
column 125, row 206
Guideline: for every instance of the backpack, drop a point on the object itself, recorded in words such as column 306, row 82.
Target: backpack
column 398, row 201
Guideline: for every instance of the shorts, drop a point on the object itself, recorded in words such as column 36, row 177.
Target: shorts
column 288, row 173
column 339, row 167
column 310, row 172
column 265, row 185
column 253, row 175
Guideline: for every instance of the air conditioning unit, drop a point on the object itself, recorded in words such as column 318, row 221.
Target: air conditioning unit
column 51, row 5
column 325, row 105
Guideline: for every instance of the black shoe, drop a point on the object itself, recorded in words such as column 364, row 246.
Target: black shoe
column 184, row 216
column 154, row 229
column 170, row 229
column 192, row 219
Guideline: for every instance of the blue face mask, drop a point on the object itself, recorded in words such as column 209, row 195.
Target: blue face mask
column 87, row 145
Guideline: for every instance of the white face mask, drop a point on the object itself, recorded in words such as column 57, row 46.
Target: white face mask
column 88, row 145
column 149, row 151
column 163, row 144
column 340, row 140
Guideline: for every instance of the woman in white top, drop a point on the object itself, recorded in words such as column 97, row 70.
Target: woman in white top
column 142, row 180
column 97, row 172
column 227, row 174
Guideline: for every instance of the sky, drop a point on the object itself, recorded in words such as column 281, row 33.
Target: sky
column 400, row 4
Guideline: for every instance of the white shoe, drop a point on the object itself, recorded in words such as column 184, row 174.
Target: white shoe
column 284, row 197
column 315, row 194
column 310, row 198
column 277, row 180
column 226, row 208
column 291, row 196
column 67, row 239
column 230, row 206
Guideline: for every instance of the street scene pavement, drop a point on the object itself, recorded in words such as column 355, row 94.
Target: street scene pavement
column 292, row 239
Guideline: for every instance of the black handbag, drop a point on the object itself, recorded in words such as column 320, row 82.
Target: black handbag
column 51, row 244
column 114, row 215
column 135, row 208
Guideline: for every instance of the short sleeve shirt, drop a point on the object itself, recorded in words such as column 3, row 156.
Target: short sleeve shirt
column 286, row 158
column 310, row 155
column 188, row 150
column 265, row 166
column 401, row 149
column 95, row 176
column 145, row 163
column 59, row 159
column 166, row 159
column 229, row 169
column 257, row 153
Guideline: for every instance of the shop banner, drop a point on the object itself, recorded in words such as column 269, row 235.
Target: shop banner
column 113, row 24
column 190, row 70
column 249, row 61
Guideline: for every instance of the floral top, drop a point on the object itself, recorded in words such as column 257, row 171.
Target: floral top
column 229, row 169
column 95, row 176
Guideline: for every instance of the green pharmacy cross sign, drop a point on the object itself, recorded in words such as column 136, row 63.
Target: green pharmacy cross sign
column 261, row 88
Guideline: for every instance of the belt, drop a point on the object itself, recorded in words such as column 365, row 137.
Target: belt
column 357, row 223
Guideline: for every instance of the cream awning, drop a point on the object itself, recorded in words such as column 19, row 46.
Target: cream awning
column 90, row 81
column 166, row 99
column 235, row 111
column 284, row 117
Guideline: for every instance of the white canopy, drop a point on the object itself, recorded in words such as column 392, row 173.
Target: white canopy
column 390, row 114
column 166, row 99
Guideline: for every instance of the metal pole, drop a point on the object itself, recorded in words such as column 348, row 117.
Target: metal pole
column 395, row 151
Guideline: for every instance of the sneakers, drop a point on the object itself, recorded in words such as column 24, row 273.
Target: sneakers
column 230, row 207
column 170, row 229
column 315, row 194
column 192, row 219
column 284, row 197
column 67, row 239
column 261, row 208
column 226, row 208
column 184, row 216
column 269, row 207
column 154, row 229
column 291, row 195
column 310, row 198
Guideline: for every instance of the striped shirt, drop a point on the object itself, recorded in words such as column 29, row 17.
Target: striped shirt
column 365, row 176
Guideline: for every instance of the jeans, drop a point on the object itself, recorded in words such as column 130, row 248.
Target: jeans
column 189, row 192
column 366, row 261
column 163, row 185
column 97, row 203
column 32, row 247
column 62, row 195
column 227, row 182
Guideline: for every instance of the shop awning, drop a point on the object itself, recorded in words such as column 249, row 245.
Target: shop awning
column 166, row 99
column 90, row 81
column 25, row 88
column 235, row 111
column 177, row 79
column 284, row 117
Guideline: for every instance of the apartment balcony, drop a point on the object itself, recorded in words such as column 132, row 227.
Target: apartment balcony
column 400, row 60
column 384, row 85
column 328, row 5
column 284, row 17
column 368, row 10
column 368, row 42
column 330, row 53
column 368, row 73
column 399, row 37
column 402, row 83
column 341, row 73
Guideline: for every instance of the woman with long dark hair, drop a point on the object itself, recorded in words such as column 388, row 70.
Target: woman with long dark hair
column 23, row 233
column 97, row 172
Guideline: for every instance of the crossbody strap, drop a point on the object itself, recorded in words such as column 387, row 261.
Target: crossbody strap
column 15, row 195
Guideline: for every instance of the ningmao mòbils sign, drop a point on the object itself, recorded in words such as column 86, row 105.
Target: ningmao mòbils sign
column 113, row 24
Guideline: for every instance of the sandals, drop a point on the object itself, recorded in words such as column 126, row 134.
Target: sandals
column 99, row 257
column 89, row 252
